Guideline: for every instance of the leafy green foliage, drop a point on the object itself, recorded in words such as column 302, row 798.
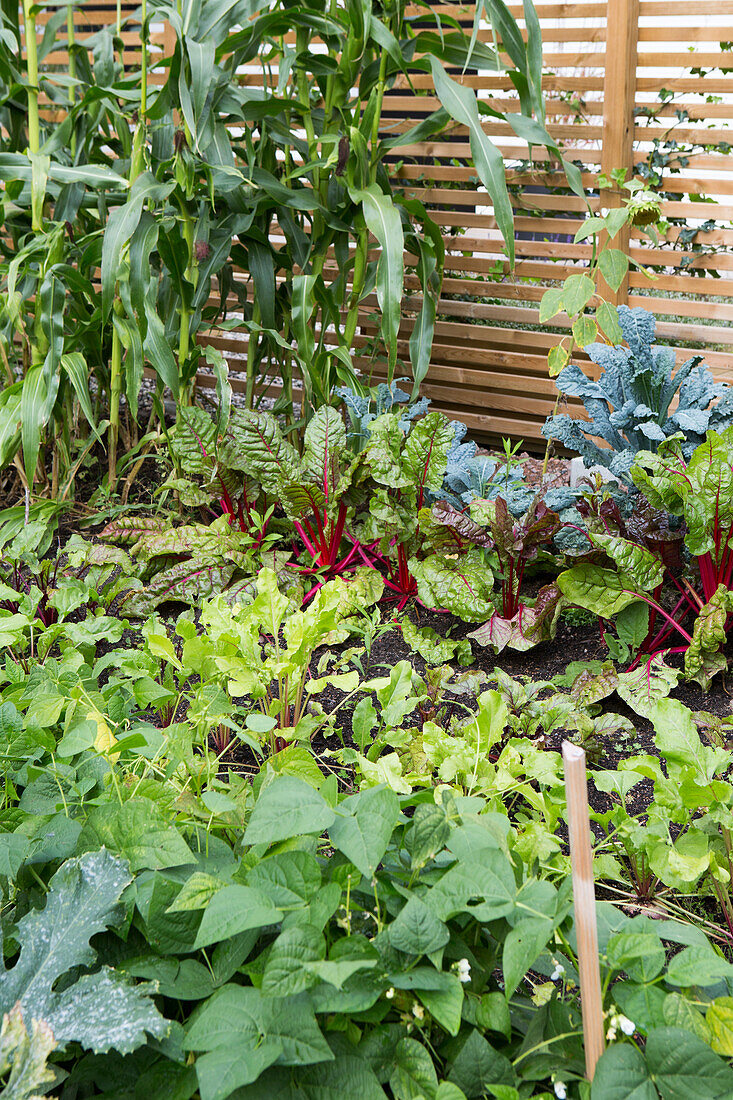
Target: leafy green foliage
column 629, row 404
column 187, row 564
column 23, row 1056
column 163, row 213
column 97, row 1009
column 404, row 934
column 698, row 491
column 514, row 544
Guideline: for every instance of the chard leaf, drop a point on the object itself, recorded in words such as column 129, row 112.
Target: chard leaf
column 531, row 624
column 325, row 443
column 645, row 685
column 461, row 584
column 639, row 567
column 267, row 454
column 462, row 524
column 704, row 657
column 425, row 453
column 604, row 592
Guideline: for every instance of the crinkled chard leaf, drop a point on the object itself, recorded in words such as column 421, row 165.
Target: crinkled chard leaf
column 461, row 584
column 703, row 657
column 533, row 623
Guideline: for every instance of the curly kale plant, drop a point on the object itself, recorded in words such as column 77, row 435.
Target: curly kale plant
column 629, row 404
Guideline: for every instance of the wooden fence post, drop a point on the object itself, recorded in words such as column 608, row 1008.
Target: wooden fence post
column 619, row 99
column 584, row 903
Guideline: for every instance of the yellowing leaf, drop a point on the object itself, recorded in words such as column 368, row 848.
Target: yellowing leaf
column 105, row 738
column 557, row 359
column 719, row 1019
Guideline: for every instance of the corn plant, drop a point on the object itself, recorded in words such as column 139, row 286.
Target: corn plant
column 165, row 186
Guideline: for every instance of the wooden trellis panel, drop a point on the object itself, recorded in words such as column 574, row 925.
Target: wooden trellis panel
column 607, row 62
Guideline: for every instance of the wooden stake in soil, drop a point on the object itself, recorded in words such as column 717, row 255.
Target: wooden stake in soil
column 584, row 898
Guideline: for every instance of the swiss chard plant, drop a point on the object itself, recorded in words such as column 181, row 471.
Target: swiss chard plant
column 187, row 564
column 493, row 534
column 629, row 404
column 406, row 466
column 210, row 468
column 317, row 490
column 630, row 589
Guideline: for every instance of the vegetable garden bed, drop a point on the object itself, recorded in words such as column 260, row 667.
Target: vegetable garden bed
column 317, row 837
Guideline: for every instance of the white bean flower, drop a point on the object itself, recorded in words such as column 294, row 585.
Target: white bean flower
column 463, row 970
column 558, row 972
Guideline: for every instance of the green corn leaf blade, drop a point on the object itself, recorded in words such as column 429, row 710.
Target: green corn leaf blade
column 129, row 334
column 121, row 224
column 39, row 179
column 202, row 73
column 534, row 57
column 10, row 422
column 143, row 243
column 74, row 366
column 157, row 349
column 262, row 267
column 384, row 222
column 508, row 31
column 302, row 310
column 460, row 103
column 52, row 302
column 35, row 409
